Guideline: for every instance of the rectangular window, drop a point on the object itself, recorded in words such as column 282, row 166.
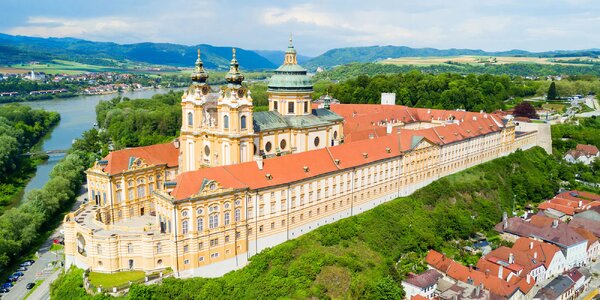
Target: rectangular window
column 306, row 107
column 290, row 107
column 272, row 225
column 260, row 228
column 226, row 239
column 186, row 249
column 200, row 246
column 274, row 105
column 186, row 262
column 214, row 255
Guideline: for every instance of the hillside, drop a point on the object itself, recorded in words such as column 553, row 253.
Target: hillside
column 341, row 56
column 355, row 258
column 22, row 49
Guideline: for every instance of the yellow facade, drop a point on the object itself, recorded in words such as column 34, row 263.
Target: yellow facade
column 132, row 222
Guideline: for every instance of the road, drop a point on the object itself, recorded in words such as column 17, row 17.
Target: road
column 44, row 266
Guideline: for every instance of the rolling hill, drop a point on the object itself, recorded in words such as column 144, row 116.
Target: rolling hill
column 341, row 56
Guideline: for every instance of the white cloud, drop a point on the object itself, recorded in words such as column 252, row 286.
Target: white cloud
column 83, row 28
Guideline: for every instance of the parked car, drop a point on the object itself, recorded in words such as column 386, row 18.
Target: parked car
column 27, row 263
column 12, row 278
column 30, row 285
column 7, row 285
column 4, row 290
column 22, row 269
column 18, row 274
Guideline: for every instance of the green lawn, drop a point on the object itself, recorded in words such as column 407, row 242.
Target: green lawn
column 115, row 279
column 56, row 247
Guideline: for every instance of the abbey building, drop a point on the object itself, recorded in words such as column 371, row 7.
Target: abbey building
column 238, row 181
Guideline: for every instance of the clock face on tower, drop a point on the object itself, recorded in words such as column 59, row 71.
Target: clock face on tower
column 240, row 93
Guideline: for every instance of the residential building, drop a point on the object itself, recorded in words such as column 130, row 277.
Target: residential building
column 423, row 284
column 584, row 154
column 553, row 231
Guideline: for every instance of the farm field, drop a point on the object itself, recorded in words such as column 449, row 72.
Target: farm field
column 467, row 59
column 70, row 67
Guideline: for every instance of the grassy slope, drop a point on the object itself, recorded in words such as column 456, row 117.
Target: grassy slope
column 355, row 257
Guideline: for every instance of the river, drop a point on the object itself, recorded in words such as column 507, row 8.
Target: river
column 77, row 114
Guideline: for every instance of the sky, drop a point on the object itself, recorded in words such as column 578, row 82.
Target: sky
column 317, row 26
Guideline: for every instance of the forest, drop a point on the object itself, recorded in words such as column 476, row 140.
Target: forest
column 24, row 227
column 367, row 256
column 21, row 127
column 444, row 91
column 140, row 122
column 522, row 69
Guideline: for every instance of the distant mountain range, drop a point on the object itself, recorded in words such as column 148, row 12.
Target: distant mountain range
column 23, row 49
column 343, row 56
column 20, row 49
column 276, row 56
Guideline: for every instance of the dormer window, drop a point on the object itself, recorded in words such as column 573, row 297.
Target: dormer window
column 365, row 154
column 306, row 169
column 268, row 176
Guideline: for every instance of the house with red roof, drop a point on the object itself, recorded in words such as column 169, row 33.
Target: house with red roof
column 553, row 231
column 423, row 285
column 584, row 154
column 499, row 285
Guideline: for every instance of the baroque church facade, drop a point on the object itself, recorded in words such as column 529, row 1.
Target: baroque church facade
column 237, row 181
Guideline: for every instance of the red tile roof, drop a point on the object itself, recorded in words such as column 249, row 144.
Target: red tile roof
column 160, row 154
column 541, row 227
column 364, row 120
column 588, row 149
column 571, row 202
column 465, row 274
column 291, row 168
column 545, row 251
column 425, row 279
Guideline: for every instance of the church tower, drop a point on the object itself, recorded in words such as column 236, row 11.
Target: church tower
column 234, row 107
column 216, row 129
column 290, row 89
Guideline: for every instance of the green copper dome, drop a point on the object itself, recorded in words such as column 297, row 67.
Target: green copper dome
column 290, row 77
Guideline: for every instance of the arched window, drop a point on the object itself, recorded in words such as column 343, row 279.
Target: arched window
column 190, row 119
column 237, row 215
column 226, row 217
column 226, row 122
column 243, row 122
column 184, row 227
column 200, row 224
column 317, row 140
column 213, row 221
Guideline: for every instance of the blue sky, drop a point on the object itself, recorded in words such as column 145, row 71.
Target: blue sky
column 317, row 25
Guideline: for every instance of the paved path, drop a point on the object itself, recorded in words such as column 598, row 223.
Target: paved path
column 41, row 270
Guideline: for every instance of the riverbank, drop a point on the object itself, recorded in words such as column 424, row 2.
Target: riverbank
column 22, row 168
